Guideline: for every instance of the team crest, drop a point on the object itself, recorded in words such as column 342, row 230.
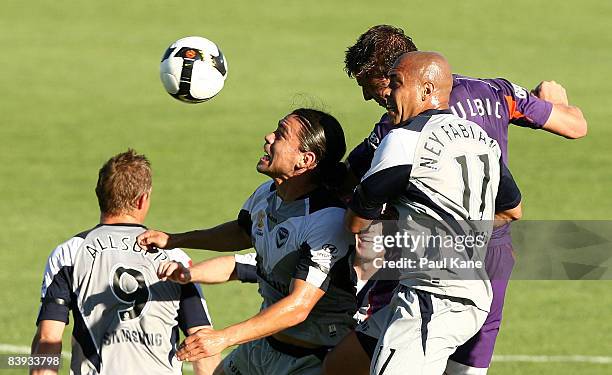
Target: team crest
column 260, row 223
column 281, row 236
column 260, row 219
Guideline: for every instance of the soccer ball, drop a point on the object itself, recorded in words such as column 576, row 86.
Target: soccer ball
column 193, row 69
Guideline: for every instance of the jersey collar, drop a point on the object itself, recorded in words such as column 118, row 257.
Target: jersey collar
column 421, row 119
column 122, row 225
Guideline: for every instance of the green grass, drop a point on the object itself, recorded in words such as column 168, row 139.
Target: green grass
column 80, row 83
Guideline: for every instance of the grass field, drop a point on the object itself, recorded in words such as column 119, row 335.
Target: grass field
column 80, row 83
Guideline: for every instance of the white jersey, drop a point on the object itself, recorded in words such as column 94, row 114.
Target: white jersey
column 304, row 239
column 126, row 320
column 441, row 173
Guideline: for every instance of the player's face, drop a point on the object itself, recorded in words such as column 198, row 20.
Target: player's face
column 375, row 88
column 403, row 100
column 282, row 152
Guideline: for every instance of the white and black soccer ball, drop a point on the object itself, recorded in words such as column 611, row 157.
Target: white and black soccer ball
column 193, row 69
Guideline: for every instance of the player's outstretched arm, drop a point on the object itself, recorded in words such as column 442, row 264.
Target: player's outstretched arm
column 287, row 312
column 211, row 271
column 565, row 120
column 214, row 271
column 48, row 342
column 225, row 237
column 204, row 366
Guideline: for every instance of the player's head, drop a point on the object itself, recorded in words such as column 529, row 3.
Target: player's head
column 418, row 81
column 372, row 56
column 305, row 141
column 124, row 185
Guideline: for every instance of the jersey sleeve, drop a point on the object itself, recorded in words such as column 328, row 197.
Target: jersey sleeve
column 508, row 193
column 326, row 245
column 246, row 267
column 193, row 311
column 180, row 256
column 524, row 109
column 388, row 175
column 360, row 158
column 56, row 291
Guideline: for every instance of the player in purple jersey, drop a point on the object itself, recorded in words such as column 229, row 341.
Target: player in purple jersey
column 491, row 103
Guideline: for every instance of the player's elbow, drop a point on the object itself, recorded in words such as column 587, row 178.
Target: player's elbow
column 579, row 126
column 48, row 343
column 298, row 315
column 297, row 311
column 300, row 318
column 516, row 213
column 508, row 216
column 49, row 335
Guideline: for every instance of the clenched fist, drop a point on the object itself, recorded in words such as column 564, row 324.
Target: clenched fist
column 552, row 92
column 174, row 271
column 151, row 239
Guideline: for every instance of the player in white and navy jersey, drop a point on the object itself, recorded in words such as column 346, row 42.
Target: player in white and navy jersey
column 442, row 175
column 303, row 255
column 125, row 319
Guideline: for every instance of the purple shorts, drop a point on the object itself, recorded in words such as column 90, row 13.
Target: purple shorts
column 478, row 351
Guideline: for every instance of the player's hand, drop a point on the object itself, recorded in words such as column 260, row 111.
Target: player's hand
column 152, row 239
column 552, row 92
column 204, row 343
column 174, row 271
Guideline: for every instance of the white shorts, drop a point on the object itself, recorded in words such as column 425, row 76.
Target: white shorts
column 422, row 331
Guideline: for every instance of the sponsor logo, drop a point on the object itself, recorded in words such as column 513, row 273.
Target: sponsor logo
column 125, row 335
column 332, row 330
column 233, row 368
column 323, row 256
column 519, row 91
column 281, row 237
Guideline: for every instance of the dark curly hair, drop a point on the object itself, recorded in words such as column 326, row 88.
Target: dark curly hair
column 376, row 50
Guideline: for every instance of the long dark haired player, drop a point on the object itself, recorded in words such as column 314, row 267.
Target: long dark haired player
column 304, row 255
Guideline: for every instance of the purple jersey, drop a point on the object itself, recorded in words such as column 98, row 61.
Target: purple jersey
column 491, row 103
